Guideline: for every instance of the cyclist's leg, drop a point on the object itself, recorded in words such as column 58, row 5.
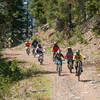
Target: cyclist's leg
column 61, row 64
column 39, row 57
column 67, row 61
column 57, row 65
column 76, row 65
column 72, row 63
column 53, row 56
column 81, row 66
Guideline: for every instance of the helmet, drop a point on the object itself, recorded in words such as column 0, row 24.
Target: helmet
column 69, row 49
column 78, row 51
column 39, row 45
column 55, row 43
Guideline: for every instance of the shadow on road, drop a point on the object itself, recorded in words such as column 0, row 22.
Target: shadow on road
column 45, row 72
column 85, row 81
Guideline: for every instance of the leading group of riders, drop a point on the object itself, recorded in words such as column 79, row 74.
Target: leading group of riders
column 57, row 53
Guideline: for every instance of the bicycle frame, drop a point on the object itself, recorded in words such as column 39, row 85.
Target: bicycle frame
column 70, row 65
column 59, row 67
column 79, row 69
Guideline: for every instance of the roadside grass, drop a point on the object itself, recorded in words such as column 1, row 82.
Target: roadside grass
column 48, row 50
column 35, row 78
column 14, row 72
column 20, row 47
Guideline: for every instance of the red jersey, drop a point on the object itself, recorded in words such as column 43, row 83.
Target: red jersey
column 55, row 48
column 27, row 44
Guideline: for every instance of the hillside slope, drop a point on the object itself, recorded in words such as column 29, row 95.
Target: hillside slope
column 90, row 48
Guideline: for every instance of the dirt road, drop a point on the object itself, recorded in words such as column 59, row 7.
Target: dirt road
column 65, row 87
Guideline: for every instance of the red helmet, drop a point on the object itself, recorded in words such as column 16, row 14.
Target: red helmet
column 39, row 45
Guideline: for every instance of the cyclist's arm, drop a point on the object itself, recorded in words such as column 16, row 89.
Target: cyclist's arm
column 62, row 55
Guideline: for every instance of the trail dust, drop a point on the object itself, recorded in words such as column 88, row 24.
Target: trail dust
column 66, row 86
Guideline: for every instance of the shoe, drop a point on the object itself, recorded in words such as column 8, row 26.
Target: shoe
column 81, row 70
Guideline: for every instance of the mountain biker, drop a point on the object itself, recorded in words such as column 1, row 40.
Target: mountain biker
column 34, row 43
column 69, row 55
column 10, row 42
column 59, row 56
column 78, row 57
column 27, row 44
column 39, row 50
column 55, row 49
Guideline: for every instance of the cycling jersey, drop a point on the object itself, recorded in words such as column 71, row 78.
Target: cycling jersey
column 34, row 43
column 59, row 56
column 39, row 50
column 55, row 48
column 27, row 44
column 78, row 57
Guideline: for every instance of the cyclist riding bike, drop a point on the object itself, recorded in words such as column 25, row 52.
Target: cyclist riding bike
column 27, row 44
column 34, row 46
column 58, row 57
column 10, row 42
column 39, row 50
column 69, row 55
column 55, row 49
column 78, row 57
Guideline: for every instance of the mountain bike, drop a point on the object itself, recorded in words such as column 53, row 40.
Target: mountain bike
column 70, row 65
column 59, row 67
column 40, row 58
column 34, row 52
column 27, row 50
column 79, row 69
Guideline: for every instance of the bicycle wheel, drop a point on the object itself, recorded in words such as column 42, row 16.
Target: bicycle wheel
column 70, row 67
column 28, row 51
column 79, row 71
column 59, row 69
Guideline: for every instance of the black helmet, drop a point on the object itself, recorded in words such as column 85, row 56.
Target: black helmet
column 69, row 49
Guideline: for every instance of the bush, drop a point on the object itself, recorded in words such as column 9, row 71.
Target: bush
column 96, row 29
column 72, row 42
column 81, row 39
column 9, row 72
column 15, row 71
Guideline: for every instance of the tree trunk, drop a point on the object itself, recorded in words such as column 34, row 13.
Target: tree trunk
column 70, row 16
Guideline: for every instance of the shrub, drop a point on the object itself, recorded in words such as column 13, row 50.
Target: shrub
column 81, row 39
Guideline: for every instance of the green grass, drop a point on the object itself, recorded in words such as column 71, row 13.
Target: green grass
column 38, row 79
column 81, row 39
column 48, row 50
column 13, row 72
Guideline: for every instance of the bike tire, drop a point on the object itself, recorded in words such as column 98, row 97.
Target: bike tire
column 34, row 54
column 28, row 51
column 78, row 71
column 41, row 62
column 70, row 68
column 79, row 78
column 59, row 70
